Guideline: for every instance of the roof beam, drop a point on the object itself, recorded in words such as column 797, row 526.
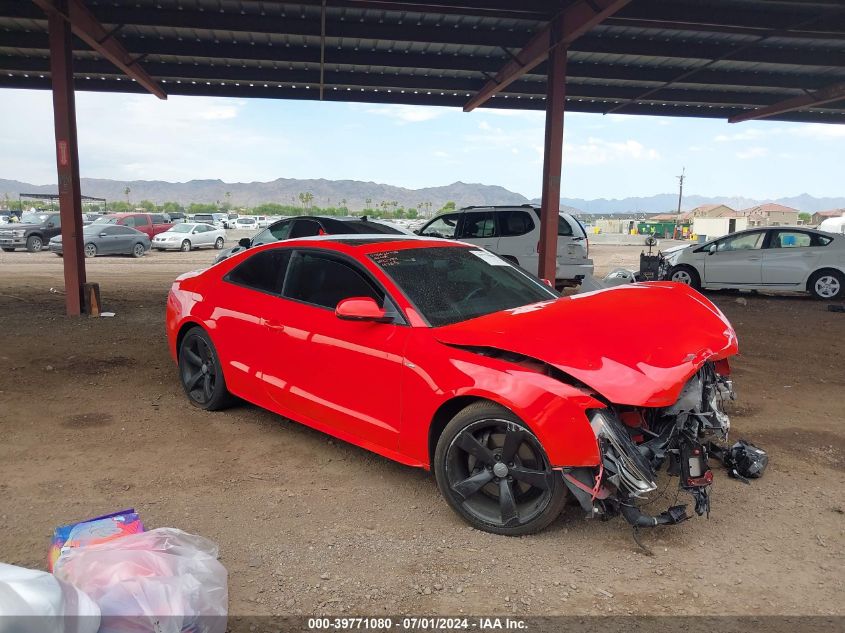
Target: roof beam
column 773, row 86
column 87, row 28
column 828, row 94
column 572, row 22
column 382, row 96
column 684, row 51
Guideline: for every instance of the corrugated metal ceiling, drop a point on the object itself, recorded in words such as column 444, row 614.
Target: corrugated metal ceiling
column 748, row 53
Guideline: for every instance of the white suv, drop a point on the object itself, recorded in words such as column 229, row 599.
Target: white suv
column 514, row 234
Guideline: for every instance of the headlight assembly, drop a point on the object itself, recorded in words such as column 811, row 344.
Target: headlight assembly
column 630, row 469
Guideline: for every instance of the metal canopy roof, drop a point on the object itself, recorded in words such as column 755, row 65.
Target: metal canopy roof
column 703, row 58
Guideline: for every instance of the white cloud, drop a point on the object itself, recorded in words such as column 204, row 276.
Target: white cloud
column 752, row 152
column 749, row 134
column 596, row 151
column 819, row 131
column 407, row 113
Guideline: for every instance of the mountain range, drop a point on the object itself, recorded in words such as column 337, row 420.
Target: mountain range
column 357, row 195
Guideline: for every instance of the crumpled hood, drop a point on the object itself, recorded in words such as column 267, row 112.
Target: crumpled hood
column 636, row 344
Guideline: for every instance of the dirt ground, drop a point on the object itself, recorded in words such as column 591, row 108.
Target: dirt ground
column 92, row 420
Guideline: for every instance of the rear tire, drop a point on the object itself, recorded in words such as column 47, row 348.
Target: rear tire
column 201, row 372
column 186, row 246
column 684, row 274
column 494, row 473
column 34, row 244
column 90, row 250
column 138, row 250
column 218, row 244
column 827, row 285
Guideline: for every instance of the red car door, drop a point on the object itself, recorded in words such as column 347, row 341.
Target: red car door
column 249, row 293
column 339, row 374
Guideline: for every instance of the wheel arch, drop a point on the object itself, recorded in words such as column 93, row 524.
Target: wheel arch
column 183, row 330
column 556, row 419
column 444, row 415
column 819, row 270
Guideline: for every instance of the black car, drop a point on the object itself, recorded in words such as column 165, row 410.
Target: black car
column 309, row 226
column 32, row 232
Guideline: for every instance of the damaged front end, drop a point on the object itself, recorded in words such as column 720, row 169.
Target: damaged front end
column 636, row 442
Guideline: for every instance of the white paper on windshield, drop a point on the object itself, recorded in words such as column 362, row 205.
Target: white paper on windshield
column 490, row 258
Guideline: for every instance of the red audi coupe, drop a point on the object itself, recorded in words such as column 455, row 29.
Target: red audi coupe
column 441, row 355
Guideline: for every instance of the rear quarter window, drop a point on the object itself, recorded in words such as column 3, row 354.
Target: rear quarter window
column 264, row 271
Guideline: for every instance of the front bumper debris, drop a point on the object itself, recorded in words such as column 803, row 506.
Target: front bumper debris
column 637, row 442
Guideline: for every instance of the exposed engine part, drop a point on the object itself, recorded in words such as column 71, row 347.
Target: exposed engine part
column 743, row 460
column 677, row 436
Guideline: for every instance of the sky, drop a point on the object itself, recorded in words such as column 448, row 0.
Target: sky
column 139, row 137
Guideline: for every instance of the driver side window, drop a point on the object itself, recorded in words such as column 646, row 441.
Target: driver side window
column 444, row 226
column 326, row 281
column 744, row 242
column 280, row 231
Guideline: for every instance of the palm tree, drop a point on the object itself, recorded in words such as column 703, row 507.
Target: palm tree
column 126, row 193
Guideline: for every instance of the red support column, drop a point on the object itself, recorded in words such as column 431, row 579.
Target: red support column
column 67, row 158
column 552, row 157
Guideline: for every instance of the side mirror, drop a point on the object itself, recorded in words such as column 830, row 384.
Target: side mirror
column 50, row 225
column 711, row 249
column 244, row 242
column 361, row 309
column 418, row 232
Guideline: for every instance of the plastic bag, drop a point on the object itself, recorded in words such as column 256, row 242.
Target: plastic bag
column 33, row 601
column 164, row 580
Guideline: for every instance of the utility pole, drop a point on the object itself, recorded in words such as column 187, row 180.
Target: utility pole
column 681, row 191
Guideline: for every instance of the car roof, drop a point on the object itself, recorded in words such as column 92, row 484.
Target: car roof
column 367, row 244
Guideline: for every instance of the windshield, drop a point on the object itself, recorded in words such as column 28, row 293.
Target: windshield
column 181, row 228
column 452, row 284
column 33, row 218
column 105, row 220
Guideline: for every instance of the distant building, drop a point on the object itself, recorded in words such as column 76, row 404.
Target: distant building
column 771, row 214
column 821, row 216
column 709, row 211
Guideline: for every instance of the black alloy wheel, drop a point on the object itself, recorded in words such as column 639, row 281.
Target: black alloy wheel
column 495, row 474
column 201, row 372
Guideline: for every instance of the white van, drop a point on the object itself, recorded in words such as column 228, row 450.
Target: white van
column 833, row 225
column 513, row 233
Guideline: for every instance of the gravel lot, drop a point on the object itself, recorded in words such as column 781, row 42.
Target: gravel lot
column 93, row 420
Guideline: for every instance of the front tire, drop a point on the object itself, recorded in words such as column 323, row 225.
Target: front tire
column 34, row 244
column 186, row 246
column 201, row 372
column 684, row 274
column 494, row 473
column 827, row 285
column 218, row 243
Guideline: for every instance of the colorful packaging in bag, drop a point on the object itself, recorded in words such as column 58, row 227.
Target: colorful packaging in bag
column 93, row 531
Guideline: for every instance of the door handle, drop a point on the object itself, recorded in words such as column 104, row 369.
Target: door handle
column 754, row 259
column 273, row 324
